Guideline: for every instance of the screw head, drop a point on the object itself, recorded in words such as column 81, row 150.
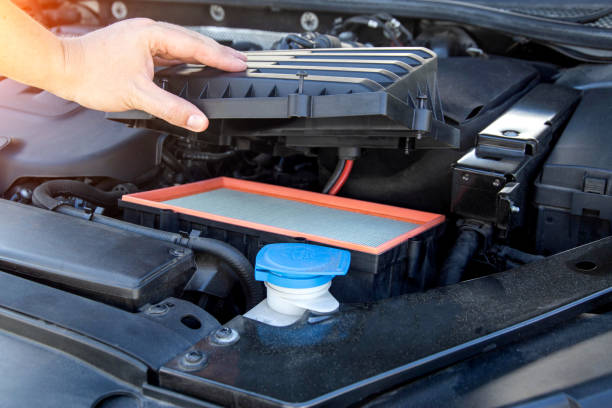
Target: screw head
column 224, row 336
column 119, row 10
column 217, row 12
column 511, row 133
column 465, row 177
column 496, row 183
column 193, row 360
column 309, row 21
column 158, row 310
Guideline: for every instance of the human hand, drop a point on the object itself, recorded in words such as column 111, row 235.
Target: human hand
column 111, row 69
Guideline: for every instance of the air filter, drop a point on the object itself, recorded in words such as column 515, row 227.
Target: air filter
column 250, row 215
column 377, row 95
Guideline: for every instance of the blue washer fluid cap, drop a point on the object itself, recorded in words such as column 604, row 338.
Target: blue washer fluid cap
column 300, row 266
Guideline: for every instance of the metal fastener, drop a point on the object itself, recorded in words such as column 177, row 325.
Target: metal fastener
column 301, row 75
column 511, row 133
column 309, row 21
column 224, row 336
column 465, row 177
column 217, row 12
column 193, row 360
column 496, row 183
column 119, row 10
column 158, row 310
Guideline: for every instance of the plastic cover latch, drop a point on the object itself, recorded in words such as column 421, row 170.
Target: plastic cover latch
column 300, row 266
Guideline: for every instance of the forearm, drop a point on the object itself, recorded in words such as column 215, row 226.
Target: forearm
column 29, row 53
column 110, row 69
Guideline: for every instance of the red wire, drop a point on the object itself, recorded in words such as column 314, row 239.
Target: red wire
column 348, row 165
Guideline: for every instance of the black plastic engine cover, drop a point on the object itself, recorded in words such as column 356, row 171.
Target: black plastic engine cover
column 347, row 95
column 42, row 135
column 114, row 266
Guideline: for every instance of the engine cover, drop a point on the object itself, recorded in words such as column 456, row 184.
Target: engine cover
column 42, row 135
column 354, row 97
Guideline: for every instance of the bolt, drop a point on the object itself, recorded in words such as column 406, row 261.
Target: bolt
column 177, row 251
column 224, row 336
column 465, row 177
column 217, row 13
column 194, row 356
column 25, row 193
column 119, row 10
column 309, row 21
column 164, row 83
column 511, row 133
column 223, row 333
column 496, row 183
column 158, row 310
column 422, row 101
column 301, row 75
column 515, row 209
column 193, row 360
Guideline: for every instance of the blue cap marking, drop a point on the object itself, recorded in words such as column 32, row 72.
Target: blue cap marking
column 300, row 266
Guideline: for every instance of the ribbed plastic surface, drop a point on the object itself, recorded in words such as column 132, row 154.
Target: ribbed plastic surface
column 385, row 92
column 277, row 73
column 356, row 228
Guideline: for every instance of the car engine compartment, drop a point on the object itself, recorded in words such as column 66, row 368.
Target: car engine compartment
column 415, row 146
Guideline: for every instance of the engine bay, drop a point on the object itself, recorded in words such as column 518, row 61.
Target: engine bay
column 429, row 153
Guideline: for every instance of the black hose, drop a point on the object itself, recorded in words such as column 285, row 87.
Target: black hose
column 207, row 156
column 253, row 290
column 334, row 176
column 44, row 195
column 586, row 18
column 516, row 255
column 515, row 24
column 462, row 252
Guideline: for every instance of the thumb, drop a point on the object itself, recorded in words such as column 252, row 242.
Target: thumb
column 171, row 108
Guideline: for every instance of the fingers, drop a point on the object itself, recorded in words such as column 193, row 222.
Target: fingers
column 173, row 42
column 171, row 108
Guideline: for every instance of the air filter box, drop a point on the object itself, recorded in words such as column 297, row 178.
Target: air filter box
column 117, row 267
column 392, row 249
column 356, row 97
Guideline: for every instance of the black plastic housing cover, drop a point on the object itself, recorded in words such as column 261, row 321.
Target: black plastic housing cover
column 492, row 182
column 117, row 267
column 405, row 268
column 299, row 94
column 42, row 135
column 573, row 193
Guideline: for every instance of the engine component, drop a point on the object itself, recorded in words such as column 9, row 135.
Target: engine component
column 392, row 248
column 44, row 196
column 491, row 182
column 340, row 361
column 297, row 279
column 49, row 137
column 474, row 92
column 573, row 193
column 355, row 97
column 121, row 268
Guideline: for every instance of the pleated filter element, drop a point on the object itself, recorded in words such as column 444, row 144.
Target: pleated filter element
column 319, row 218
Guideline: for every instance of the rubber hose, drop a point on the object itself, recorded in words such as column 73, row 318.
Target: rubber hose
column 462, row 252
column 253, row 289
column 239, row 264
column 207, row 156
column 44, row 195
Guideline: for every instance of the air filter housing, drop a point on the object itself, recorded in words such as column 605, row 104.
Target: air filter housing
column 392, row 249
column 357, row 97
